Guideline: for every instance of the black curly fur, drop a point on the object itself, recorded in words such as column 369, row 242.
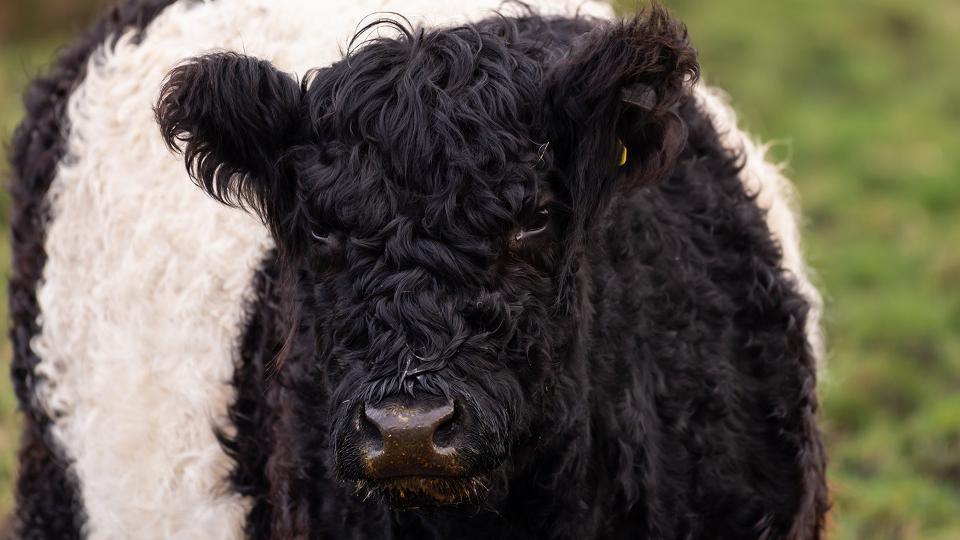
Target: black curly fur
column 48, row 502
column 637, row 369
column 270, row 106
column 640, row 368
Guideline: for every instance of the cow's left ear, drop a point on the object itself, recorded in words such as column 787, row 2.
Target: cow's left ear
column 612, row 103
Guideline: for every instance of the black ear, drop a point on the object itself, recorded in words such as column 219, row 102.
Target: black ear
column 620, row 85
column 233, row 117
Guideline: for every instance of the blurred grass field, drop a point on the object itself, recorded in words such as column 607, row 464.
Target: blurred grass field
column 862, row 98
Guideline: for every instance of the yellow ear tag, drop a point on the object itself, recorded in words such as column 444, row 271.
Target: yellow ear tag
column 623, row 153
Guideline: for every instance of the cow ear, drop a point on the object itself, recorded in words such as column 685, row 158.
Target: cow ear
column 233, row 117
column 612, row 102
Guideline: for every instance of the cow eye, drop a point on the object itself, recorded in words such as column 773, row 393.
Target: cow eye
column 320, row 235
column 324, row 252
column 538, row 223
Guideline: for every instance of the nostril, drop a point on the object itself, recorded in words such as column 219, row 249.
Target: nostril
column 445, row 432
column 369, row 434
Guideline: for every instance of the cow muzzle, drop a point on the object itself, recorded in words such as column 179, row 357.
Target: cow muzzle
column 408, row 443
column 411, row 454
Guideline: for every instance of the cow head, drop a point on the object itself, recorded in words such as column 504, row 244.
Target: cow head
column 431, row 194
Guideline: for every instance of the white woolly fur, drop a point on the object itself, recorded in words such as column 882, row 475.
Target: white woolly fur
column 147, row 279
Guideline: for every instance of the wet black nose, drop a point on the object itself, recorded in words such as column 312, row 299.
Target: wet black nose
column 410, row 439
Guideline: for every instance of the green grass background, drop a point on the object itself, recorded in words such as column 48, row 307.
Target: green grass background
column 862, row 99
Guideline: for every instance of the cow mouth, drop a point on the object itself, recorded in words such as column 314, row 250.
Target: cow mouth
column 413, row 492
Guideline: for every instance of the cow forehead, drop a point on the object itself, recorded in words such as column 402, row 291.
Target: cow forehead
column 429, row 124
column 369, row 188
column 450, row 94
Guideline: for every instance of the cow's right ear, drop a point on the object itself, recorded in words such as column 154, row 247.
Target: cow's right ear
column 233, row 117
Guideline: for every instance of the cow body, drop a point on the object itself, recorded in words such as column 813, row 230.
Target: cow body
column 148, row 320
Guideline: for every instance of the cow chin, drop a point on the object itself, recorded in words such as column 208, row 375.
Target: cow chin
column 424, row 492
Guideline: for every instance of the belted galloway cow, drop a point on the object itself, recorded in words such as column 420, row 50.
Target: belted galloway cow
column 300, row 269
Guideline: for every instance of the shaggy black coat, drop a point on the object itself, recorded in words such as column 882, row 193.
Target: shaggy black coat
column 451, row 218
